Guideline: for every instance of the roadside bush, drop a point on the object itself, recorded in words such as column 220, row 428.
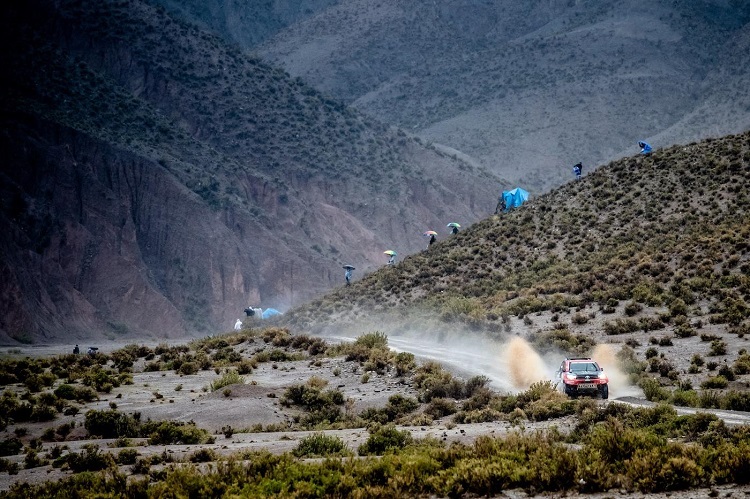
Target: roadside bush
column 321, row 445
column 653, row 390
column 404, row 363
column 436, row 382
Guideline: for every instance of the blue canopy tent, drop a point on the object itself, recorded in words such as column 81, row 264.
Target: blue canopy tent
column 515, row 198
column 270, row 312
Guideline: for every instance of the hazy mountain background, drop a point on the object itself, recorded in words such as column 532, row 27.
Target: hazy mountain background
column 157, row 180
column 524, row 88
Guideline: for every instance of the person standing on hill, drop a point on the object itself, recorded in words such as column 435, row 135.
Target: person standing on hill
column 348, row 276
column 578, row 170
column 432, row 240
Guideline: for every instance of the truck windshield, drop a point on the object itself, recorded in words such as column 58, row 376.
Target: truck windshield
column 583, row 367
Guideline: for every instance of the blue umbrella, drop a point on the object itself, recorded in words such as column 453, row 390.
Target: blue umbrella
column 270, row 312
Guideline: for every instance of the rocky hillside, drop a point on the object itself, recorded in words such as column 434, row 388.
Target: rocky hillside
column 657, row 242
column 525, row 88
column 158, row 180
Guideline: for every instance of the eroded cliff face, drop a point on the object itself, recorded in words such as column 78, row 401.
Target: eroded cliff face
column 115, row 246
column 156, row 190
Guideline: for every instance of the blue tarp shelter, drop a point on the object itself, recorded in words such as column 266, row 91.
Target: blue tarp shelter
column 515, row 198
column 270, row 312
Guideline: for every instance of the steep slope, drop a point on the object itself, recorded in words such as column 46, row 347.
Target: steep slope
column 668, row 232
column 158, row 181
column 529, row 88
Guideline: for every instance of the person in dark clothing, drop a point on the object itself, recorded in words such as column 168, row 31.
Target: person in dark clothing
column 454, row 230
column 432, row 240
column 578, row 170
column 249, row 312
column 501, row 206
column 76, row 350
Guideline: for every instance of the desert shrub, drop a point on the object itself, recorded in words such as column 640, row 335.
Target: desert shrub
column 439, row 407
column 621, row 326
column 8, row 466
column 715, row 382
column 563, row 339
column 203, row 456
column 475, row 383
column 483, row 415
column 718, row 347
column 32, row 460
column 736, row 401
column 742, row 364
column 188, row 368
column 384, row 439
column 651, row 352
column 665, row 341
column 653, row 390
column 245, row 366
column 435, row 382
column 321, row 445
column 127, row 456
column 685, row 398
column 42, row 412
column 102, row 380
column 65, row 391
column 397, row 407
column 632, row 308
column 111, row 424
column 90, row 459
column 10, row 446
column 374, row 339
column 647, row 324
column 173, row 432
column 727, row 372
column 230, row 377
column 579, row 318
column 404, row 362
column 684, row 330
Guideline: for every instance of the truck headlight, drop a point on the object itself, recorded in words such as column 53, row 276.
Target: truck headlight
column 570, row 376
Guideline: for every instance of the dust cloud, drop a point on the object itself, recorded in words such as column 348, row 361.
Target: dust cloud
column 510, row 362
column 619, row 386
column 524, row 365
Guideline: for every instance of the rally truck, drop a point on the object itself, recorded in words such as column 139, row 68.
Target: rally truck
column 582, row 375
